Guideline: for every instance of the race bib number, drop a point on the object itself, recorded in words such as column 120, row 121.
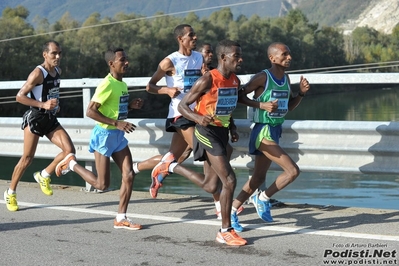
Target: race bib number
column 283, row 97
column 54, row 93
column 227, row 101
column 123, row 107
column 190, row 77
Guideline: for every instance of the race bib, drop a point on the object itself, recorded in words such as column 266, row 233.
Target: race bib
column 227, row 101
column 283, row 97
column 123, row 107
column 190, row 77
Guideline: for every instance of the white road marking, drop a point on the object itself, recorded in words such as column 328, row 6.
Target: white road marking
column 296, row 230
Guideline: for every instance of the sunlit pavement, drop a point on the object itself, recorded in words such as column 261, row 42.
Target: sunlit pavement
column 74, row 227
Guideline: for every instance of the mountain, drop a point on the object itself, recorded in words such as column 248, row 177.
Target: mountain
column 382, row 15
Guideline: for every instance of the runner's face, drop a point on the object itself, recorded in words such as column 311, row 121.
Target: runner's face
column 120, row 63
column 53, row 55
column 207, row 53
column 234, row 59
column 189, row 39
column 281, row 56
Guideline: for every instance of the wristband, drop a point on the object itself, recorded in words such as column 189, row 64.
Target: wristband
column 301, row 94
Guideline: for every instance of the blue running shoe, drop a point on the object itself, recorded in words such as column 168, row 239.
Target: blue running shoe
column 262, row 208
column 235, row 223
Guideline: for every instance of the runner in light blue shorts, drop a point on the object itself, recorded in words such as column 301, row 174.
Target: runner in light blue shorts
column 107, row 141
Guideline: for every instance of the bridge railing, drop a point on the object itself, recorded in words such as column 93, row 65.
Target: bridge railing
column 326, row 146
column 334, row 146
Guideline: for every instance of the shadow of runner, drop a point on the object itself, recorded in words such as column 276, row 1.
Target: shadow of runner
column 385, row 152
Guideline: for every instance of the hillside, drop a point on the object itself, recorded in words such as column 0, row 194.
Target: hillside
column 382, row 15
column 379, row 14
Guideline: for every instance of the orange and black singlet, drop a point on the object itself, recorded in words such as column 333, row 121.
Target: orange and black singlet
column 221, row 100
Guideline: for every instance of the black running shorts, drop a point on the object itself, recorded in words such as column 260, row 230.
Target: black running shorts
column 178, row 122
column 210, row 139
column 40, row 123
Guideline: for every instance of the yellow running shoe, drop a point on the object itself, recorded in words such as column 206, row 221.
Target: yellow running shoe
column 44, row 183
column 11, row 201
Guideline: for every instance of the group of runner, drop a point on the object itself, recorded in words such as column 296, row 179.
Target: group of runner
column 203, row 99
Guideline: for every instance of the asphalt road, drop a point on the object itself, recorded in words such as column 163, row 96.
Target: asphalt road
column 73, row 227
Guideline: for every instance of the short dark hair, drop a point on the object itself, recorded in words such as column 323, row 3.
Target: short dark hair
column 46, row 45
column 179, row 30
column 203, row 45
column 110, row 53
column 224, row 47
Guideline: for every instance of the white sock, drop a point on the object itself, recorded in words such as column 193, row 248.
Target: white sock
column 224, row 229
column 10, row 191
column 263, row 196
column 72, row 164
column 172, row 166
column 44, row 173
column 233, row 209
column 217, row 206
column 120, row 217
column 135, row 168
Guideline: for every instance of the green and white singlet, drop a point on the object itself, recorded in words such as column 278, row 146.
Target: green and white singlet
column 274, row 89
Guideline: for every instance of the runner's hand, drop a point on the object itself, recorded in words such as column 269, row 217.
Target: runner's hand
column 50, row 104
column 125, row 126
column 204, row 120
column 234, row 135
column 136, row 103
column 270, row 106
column 174, row 92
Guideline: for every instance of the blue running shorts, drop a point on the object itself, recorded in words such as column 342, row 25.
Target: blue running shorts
column 260, row 132
column 107, row 141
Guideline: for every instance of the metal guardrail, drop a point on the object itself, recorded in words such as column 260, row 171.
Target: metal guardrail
column 335, row 146
column 316, row 146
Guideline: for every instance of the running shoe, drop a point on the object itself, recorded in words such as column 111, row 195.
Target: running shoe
column 262, row 208
column 44, row 183
column 168, row 157
column 230, row 238
column 62, row 167
column 235, row 223
column 160, row 171
column 11, row 201
column 126, row 224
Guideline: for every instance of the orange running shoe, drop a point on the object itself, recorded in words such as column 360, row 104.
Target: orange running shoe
column 62, row 167
column 126, row 224
column 230, row 238
column 160, row 171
